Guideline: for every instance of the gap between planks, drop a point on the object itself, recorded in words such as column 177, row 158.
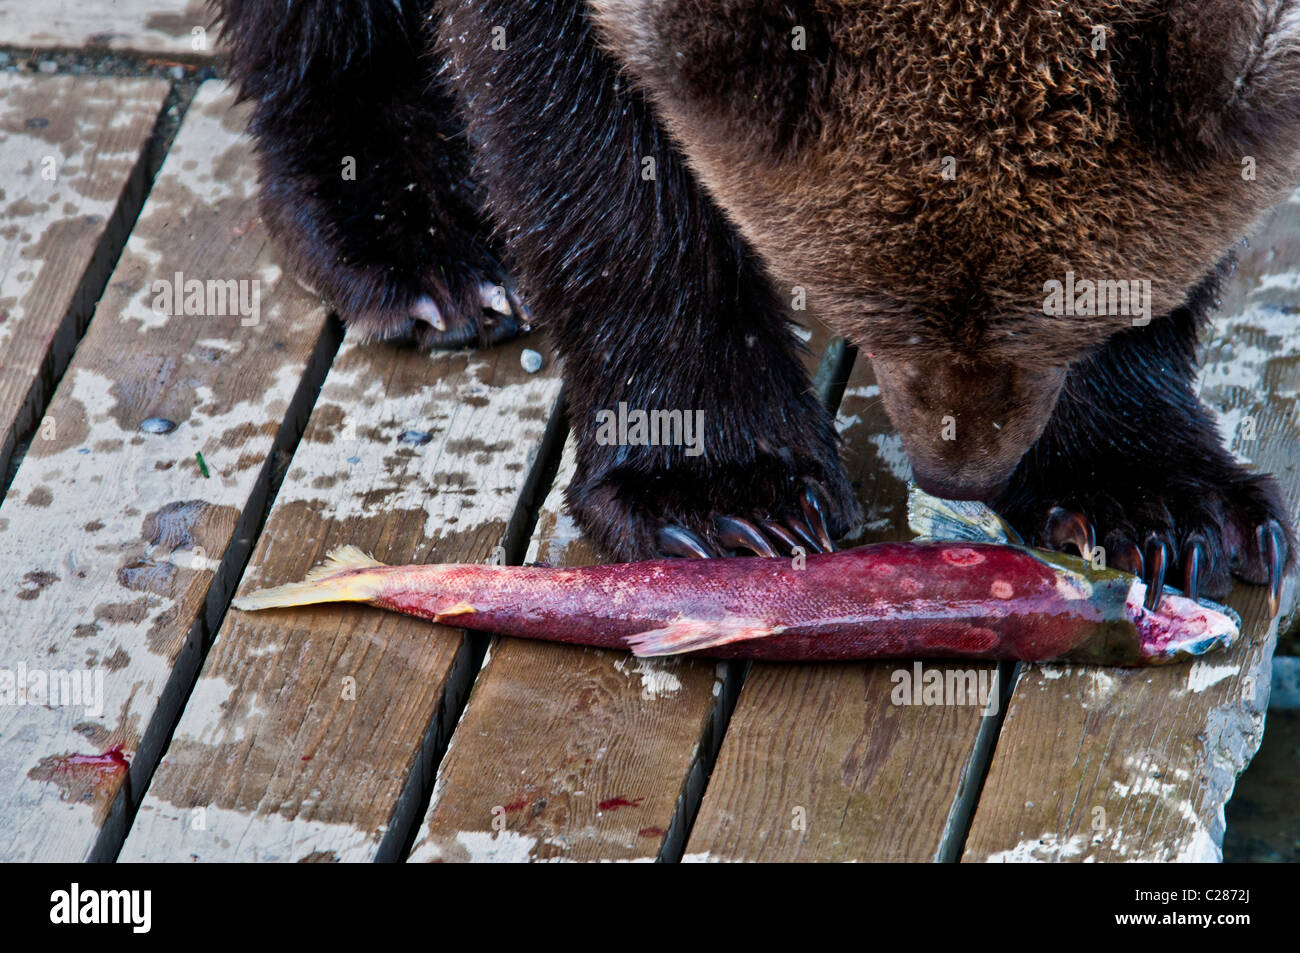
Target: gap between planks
column 279, row 762
column 144, row 27
column 1137, row 765
column 817, row 763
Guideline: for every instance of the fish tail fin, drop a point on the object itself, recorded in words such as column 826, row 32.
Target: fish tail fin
column 966, row 520
column 340, row 578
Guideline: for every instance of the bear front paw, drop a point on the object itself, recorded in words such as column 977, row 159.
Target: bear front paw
column 769, row 507
column 1188, row 532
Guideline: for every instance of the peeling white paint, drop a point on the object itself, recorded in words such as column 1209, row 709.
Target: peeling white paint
column 1100, row 688
column 110, row 473
column 657, row 676
column 230, row 835
column 889, row 449
column 366, row 472
column 1047, row 848
column 38, row 209
column 145, row 26
column 1202, row 674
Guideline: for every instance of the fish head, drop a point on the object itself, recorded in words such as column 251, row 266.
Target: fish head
column 1180, row 628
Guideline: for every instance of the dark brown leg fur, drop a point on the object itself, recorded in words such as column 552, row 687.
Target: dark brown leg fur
column 647, row 292
column 400, row 248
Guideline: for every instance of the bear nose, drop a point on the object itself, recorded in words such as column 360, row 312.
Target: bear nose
column 949, row 487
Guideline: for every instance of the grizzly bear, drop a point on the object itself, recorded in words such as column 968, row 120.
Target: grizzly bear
column 1021, row 211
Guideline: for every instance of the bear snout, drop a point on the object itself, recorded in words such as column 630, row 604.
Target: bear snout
column 966, row 424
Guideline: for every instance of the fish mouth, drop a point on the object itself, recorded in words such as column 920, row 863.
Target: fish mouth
column 1180, row 628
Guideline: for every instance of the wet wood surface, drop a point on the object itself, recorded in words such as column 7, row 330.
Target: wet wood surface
column 71, row 160
column 573, row 753
column 174, row 28
column 119, row 552
column 306, row 724
column 822, row 762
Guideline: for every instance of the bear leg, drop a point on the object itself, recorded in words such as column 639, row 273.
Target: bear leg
column 365, row 175
column 663, row 318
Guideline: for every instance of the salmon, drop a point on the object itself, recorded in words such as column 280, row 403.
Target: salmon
column 966, row 589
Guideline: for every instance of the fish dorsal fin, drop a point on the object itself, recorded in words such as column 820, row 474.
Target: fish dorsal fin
column 336, row 560
column 967, row 520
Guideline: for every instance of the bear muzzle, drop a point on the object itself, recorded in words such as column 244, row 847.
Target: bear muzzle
column 966, row 424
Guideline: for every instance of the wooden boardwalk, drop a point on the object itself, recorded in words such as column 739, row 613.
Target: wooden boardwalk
column 166, row 460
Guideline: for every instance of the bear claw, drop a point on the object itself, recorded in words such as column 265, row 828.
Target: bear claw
column 494, row 298
column 426, row 310
column 680, row 541
column 1128, row 558
column 1272, row 541
column 1192, row 557
column 734, row 533
column 814, row 511
column 1157, row 558
column 1200, row 561
column 808, row 532
column 1070, row 527
column 781, row 534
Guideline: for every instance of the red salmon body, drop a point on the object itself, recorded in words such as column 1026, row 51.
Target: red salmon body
column 968, row 600
column 948, row 599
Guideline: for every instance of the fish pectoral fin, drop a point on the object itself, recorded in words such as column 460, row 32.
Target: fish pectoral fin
column 692, row 635
column 451, row 612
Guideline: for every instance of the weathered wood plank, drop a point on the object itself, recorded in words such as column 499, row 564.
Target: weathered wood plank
column 138, row 26
column 117, row 549
column 569, row 753
column 71, row 159
column 819, row 763
column 1138, row 765
column 311, row 733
